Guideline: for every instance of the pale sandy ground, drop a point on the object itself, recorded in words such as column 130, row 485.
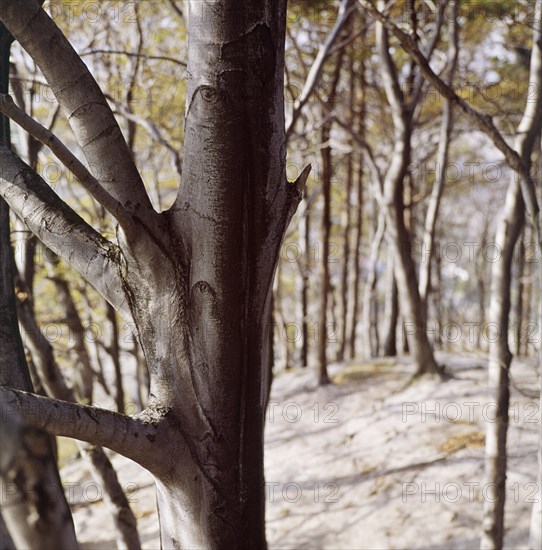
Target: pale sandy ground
column 401, row 468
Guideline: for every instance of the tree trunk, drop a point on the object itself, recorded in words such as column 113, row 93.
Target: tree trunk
column 113, row 350
column 305, row 238
column 519, row 280
column 323, row 378
column 479, row 267
column 391, row 316
column 500, row 356
column 209, row 373
column 397, row 234
column 326, row 227
column 370, row 305
column 359, row 204
column 280, row 325
column 528, row 307
column 347, row 221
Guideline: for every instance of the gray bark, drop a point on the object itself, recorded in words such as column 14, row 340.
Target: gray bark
column 391, row 312
column 369, row 311
column 397, row 234
column 500, row 356
column 359, row 209
column 325, row 288
column 113, row 349
column 446, row 126
column 304, row 232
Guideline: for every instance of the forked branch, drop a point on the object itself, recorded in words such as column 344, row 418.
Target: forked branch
column 94, row 257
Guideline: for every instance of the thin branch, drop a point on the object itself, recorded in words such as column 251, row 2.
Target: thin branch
column 67, row 158
column 152, row 129
column 126, row 435
column 135, row 54
column 318, row 64
column 432, row 44
column 61, row 229
column 177, row 10
column 483, row 122
column 392, row 87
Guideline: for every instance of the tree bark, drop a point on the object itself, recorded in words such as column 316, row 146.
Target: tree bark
column 347, row 221
column 500, row 356
column 397, row 235
column 326, row 156
column 305, row 228
column 519, row 276
column 369, row 311
column 113, row 350
column 359, row 206
column 391, row 315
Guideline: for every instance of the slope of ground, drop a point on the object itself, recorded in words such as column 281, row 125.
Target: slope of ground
column 368, row 462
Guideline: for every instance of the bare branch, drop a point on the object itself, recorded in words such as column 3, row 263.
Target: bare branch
column 123, row 434
column 152, row 129
column 70, row 161
column 177, row 10
column 318, row 64
column 89, row 115
column 135, row 54
column 61, row 229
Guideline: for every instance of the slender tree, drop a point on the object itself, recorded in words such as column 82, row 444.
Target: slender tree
column 500, row 357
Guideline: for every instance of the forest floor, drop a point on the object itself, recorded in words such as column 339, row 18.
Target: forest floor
column 370, row 462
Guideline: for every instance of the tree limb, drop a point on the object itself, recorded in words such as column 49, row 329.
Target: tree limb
column 70, row 161
column 61, row 229
column 89, row 115
column 389, row 73
column 123, row 434
column 135, row 54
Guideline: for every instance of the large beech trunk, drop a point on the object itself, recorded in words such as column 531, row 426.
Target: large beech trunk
column 205, row 318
